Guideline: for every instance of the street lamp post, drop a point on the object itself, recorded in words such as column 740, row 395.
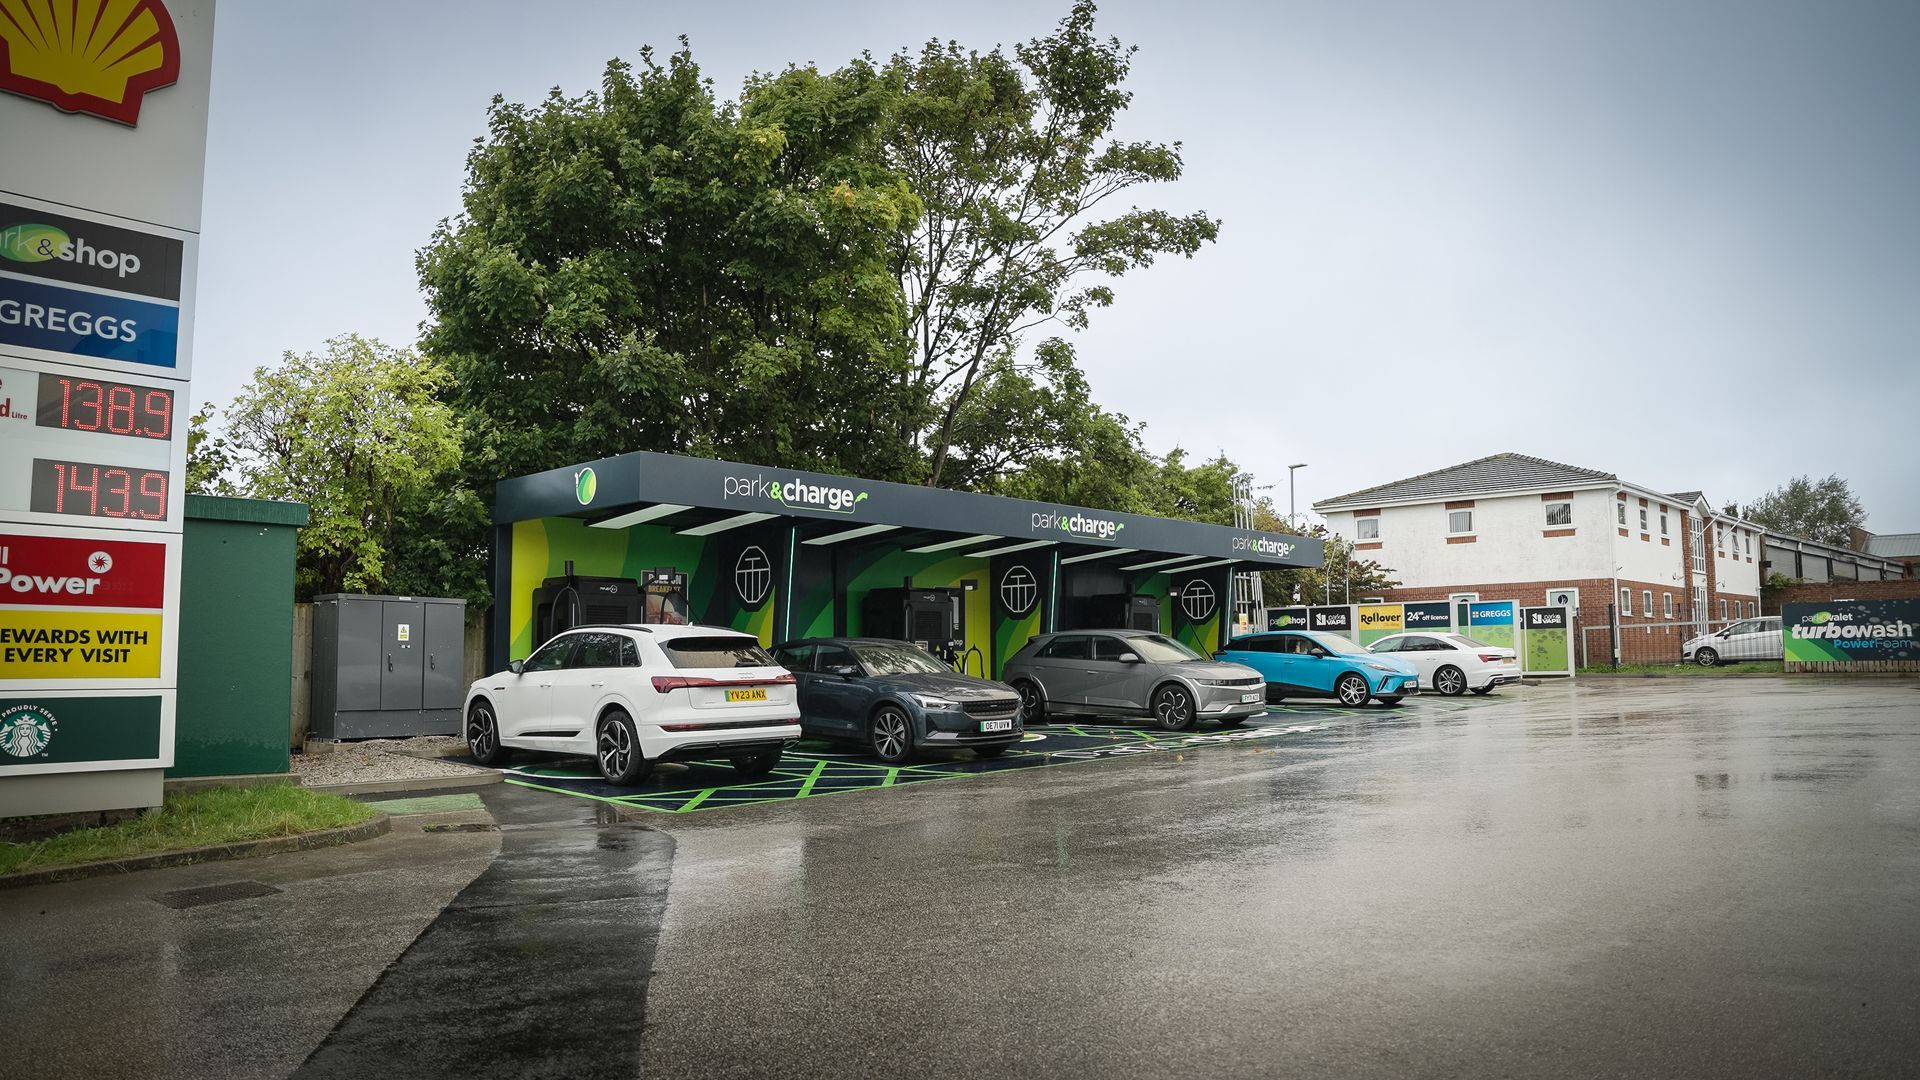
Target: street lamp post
column 1292, row 518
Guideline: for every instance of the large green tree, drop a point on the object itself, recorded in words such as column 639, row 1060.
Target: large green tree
column 1820, row 510
column 358, row 433
column 649, row 268
column 1015, row 161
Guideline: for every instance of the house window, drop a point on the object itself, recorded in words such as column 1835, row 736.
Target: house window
column 1723, row 608
column 1622, row 507
column 1459, row 521
column 1753, row 608
column 1646, row 603
column 1559, row 513
column 1749, row 543
column 1626, row 601
column 1643, row 519
column 1367, row 528
column 1666, row 604
column 1720, row 539
column 1663, row 523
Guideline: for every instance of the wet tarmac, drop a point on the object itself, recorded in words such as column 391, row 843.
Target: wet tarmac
column 1686, row 878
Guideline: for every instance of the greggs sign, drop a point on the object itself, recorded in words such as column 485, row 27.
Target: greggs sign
column 88, row 56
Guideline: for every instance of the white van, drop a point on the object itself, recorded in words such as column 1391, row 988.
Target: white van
column 1748, row 639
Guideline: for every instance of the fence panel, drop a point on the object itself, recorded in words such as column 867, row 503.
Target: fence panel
column 302, row 675
column 475, row 650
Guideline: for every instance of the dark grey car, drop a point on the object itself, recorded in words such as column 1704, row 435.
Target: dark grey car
column 1131, row 673
column 896, row 699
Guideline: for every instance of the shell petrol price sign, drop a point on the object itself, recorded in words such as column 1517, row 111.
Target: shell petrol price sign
column 105, row 102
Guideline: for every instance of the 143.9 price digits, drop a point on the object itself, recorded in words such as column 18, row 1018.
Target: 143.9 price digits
column 86, row 489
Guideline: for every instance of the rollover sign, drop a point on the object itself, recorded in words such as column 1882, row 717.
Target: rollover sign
column 1851, row 631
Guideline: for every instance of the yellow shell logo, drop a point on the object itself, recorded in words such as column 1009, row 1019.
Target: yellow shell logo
column 91, row 56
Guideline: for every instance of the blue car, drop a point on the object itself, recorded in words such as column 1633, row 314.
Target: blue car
column 1307, row 663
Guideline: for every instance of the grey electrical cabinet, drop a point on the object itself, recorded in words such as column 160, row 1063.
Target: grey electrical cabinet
column 387, row 666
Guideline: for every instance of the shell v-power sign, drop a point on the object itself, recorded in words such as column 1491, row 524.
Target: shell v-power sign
column 104, row 105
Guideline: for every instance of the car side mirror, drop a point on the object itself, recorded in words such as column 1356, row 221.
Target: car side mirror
column 1130, row 658
column 1320, row 653
column 845, row 671
column 516, row 666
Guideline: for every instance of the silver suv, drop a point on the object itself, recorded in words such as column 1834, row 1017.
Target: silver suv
column 1131, row 673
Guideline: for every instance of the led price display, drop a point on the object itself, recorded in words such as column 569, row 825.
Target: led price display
column 86, row 489
column 105, row 406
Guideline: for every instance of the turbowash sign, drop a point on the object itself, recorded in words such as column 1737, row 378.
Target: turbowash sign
column 1851, row 631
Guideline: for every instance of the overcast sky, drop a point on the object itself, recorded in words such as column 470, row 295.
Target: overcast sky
column 1675, row 241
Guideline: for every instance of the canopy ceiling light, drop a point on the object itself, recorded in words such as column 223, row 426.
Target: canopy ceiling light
column 658, row 510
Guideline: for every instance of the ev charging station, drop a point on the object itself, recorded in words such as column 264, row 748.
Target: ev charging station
column 785, row 554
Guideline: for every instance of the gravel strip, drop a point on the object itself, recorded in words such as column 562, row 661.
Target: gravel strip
column 377, row 760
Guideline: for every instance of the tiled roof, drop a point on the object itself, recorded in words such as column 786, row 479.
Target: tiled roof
column 1688, row 497
column 1895, row 545
column 1501, row 472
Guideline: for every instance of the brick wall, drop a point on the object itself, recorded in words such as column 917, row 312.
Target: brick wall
column 1825, row 591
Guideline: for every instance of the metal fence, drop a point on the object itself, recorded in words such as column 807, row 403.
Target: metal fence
column 1640, row 638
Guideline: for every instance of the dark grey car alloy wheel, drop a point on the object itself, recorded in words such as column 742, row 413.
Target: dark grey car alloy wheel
column 892, row 734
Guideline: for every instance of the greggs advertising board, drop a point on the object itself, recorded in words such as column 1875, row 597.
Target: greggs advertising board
column 104, row 106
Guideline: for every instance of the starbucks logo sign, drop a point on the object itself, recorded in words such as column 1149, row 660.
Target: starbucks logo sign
column 752, row 576
column 1018, row 590
column 25, row 731
column 1197, row 601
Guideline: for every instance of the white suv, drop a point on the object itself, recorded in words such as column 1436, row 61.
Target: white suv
column 1748, row 639
column 630, row 696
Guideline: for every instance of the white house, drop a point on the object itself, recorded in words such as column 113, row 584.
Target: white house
column 1522, row 528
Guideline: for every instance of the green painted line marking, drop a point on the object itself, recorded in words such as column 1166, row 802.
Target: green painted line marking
column 696, row 800
column 892, row 775
column 807, row 786
column 564, row 791
column 431, row 804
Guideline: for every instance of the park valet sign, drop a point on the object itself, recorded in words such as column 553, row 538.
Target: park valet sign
column 1851, row 631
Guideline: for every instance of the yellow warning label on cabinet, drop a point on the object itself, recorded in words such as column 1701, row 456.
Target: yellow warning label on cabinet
column 79, row 645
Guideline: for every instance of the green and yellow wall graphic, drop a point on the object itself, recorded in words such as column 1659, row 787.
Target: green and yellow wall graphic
column 542, row 548
column 1545, row 648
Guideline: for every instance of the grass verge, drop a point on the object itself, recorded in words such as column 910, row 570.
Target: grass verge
column 191, row 820
column 1683, row 671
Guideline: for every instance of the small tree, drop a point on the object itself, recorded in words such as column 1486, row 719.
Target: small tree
column 358, row 434
column 1819, row 510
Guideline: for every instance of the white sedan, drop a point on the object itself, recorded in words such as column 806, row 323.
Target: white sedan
column 631, row 696
column 1453, row 663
